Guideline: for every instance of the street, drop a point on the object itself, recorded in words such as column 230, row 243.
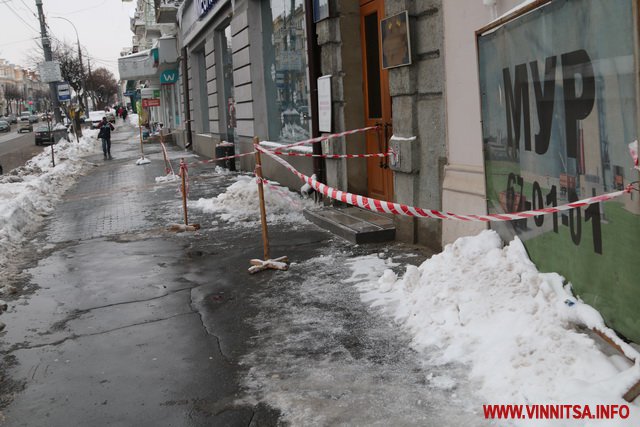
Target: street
column 16, row 148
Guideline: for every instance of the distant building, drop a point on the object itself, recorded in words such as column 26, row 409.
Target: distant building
column 31, row 94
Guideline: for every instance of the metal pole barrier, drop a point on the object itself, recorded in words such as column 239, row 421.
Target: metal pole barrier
column 183, row 173
column 263, row 211
column 53, row 159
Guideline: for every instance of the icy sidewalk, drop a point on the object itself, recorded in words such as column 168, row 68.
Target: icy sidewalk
column 477, row 316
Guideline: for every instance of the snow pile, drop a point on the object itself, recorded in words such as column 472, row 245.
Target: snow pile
column 240, row 203
column 489, row 307
column 29, row 193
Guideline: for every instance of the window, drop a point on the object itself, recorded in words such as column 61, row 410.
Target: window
column 226, row 100
column 286, row 78
column 201, row 95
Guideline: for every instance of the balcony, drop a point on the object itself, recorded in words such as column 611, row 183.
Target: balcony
column 137, row 66
column 167, row 11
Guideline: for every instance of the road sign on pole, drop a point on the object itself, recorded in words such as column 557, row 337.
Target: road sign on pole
column 64, row 92
column 50, row 71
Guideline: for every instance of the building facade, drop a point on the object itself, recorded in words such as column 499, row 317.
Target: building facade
column 21, row 89
column 552, row 121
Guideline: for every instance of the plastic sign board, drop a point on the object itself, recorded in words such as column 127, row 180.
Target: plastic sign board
column 168, row 77
column 50, row 71
column 324, row 104
column 150, row 92
column 64, row 92
column 204, row 6
column 151, row 102
column 558, row 114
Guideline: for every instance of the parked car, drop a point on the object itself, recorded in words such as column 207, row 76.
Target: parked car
column 33, row 118
column 95, row 117
column 5, row 126
column 44, row 133
column 25, row 124
column 11, row 118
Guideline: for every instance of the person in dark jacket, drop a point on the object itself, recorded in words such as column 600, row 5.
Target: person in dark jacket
column 105, row 134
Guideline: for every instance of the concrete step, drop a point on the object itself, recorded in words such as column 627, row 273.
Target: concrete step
column 354, row 224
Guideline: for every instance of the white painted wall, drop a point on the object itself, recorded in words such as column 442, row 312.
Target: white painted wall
column 464, row 184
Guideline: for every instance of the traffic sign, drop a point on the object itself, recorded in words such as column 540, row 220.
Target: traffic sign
column 64, row 92
column 50, row 71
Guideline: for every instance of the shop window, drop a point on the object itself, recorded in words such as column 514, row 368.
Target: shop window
column 201, row 94
column 286, row 72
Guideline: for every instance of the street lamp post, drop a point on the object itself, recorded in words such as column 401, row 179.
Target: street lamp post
column 84, row 91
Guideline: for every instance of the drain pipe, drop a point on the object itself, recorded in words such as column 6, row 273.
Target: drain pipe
column 313, row 58
column 185, row 94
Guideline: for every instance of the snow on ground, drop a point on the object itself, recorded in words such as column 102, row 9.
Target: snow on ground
column 239, row 204
column 517, row 329
column 29, row 193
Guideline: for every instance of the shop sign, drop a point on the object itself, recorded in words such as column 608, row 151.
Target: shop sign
column 559, row 108
column 324, row 104
column 168, row 77
column 204, row 6
column 151, row 102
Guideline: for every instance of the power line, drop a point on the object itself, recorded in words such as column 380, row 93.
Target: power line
column 29, row 9
column 19, row 41
column 20, row 18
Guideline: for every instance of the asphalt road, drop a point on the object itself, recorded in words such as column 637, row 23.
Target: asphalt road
column 16, row 148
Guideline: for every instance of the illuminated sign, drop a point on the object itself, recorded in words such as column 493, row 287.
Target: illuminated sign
column 204, row 6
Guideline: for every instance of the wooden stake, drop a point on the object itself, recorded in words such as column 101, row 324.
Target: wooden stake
column 167, row 169
column 281, row 263
column 184, row 190
column 263, row 211
column 141, row 149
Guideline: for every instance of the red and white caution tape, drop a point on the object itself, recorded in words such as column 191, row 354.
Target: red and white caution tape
column 330, row 136
column 184, row 171
column 633, row 150
column 279, row 190
column 306, row 141
column 382, row 206
column 332, row 156
column 168, row 168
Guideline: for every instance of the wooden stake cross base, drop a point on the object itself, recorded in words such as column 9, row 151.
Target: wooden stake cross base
column 258, row 265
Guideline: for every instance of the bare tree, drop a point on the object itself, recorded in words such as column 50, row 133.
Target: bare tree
column 70, row 68
column 12, row 93
column 104, row 86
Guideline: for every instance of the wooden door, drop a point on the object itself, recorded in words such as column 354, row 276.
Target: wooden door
column 377, row 102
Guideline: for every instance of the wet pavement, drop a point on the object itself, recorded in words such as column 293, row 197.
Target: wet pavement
column 121, row 322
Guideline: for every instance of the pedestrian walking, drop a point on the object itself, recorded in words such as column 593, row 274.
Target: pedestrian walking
column 105, row 134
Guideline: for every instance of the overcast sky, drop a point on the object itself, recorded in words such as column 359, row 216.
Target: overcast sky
column 103, row 28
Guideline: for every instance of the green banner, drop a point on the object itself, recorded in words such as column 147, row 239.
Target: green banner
column 559, row 108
